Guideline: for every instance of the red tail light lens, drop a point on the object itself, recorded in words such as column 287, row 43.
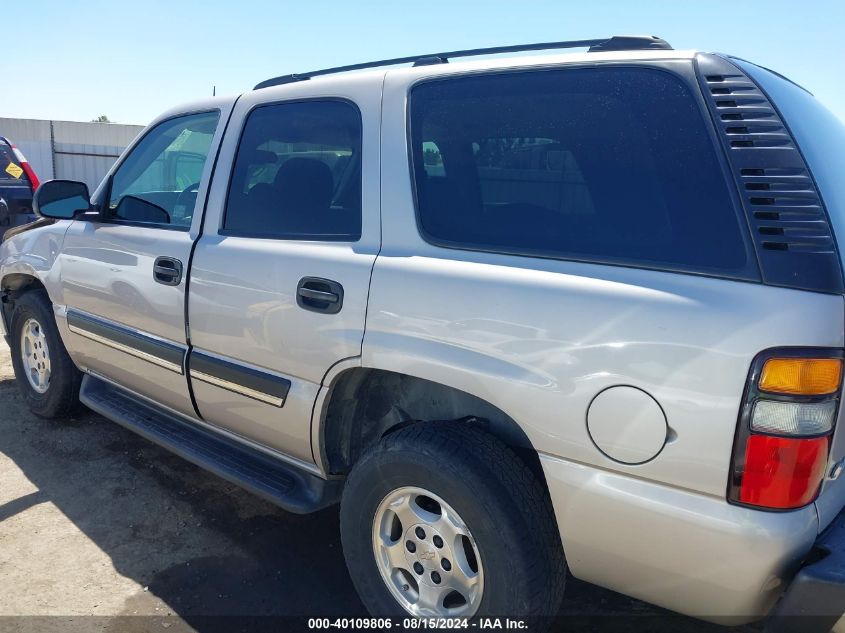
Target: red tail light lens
column 30, row 174
column 782, row 473
column 27, row 168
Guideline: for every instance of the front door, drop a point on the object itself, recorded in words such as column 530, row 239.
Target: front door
column 280, row 275
column 123, row 277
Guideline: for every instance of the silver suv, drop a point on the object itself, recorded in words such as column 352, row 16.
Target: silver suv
column 517, row 316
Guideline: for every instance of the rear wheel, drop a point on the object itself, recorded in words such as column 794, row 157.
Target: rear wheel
column 427, row 555
column 444, row 520
column 47, row 377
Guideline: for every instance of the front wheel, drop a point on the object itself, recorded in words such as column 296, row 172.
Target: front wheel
column 444, row 520
column 47, row 377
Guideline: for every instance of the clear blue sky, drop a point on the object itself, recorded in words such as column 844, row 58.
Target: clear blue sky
column 131, row 59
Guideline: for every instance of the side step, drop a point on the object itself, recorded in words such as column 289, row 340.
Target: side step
column 281, row 483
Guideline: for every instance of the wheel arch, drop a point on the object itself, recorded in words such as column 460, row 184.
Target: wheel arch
column 365, row 404
column 12, row 286
column 19, row 282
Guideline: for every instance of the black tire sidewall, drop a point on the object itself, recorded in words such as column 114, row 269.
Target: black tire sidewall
column 496, row 523
column 62, row 394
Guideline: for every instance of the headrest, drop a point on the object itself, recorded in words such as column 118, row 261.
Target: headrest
column 305, row 182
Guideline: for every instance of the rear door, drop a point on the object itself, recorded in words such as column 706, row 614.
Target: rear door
column 123, row 277
column 279, row 280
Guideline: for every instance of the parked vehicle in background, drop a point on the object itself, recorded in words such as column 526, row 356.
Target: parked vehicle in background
column 17, row 184
column 514, row 315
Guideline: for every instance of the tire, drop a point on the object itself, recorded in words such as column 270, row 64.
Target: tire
column 497, row 499
column 60, row 395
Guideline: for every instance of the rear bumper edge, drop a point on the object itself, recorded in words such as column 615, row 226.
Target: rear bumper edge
column 815, row 599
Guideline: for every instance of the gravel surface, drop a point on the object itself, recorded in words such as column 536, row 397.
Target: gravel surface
column 96, row 521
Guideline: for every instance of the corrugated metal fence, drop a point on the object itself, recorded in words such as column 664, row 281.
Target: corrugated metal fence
column 68, row 149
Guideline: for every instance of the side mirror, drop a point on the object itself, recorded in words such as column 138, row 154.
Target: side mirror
column 61, row 199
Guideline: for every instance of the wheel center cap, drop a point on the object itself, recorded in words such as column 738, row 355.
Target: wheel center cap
column 422, row 554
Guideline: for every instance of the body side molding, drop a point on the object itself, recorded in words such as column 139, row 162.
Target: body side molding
column 248, row 381
column 155, row 350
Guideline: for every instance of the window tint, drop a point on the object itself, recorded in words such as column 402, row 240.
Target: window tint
column 157, row 183
column 608, row 165
column 297, row 174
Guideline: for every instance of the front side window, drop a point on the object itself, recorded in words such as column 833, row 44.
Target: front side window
column 607, row 165
column 297, row 174
column 158, row 182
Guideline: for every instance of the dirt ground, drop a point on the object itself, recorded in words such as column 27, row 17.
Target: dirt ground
column 100, row 530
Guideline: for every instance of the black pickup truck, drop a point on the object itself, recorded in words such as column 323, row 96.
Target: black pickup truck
column 17, row 184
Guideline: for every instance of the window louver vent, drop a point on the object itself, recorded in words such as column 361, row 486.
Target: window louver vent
column 790, row 228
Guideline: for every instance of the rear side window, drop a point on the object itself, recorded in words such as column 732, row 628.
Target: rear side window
column 297, row 174
column 819, row 133
column 608, row 165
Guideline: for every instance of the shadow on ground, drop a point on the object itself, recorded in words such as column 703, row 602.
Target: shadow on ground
column 207, row 549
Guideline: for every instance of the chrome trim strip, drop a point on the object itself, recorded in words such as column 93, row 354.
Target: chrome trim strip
column 240, row 389
column 129, row 350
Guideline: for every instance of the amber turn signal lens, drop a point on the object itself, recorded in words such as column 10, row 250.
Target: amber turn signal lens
column 801, row 376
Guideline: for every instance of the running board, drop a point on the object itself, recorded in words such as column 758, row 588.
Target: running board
column 281, row 483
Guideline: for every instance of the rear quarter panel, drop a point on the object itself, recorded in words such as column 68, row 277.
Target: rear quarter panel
column 539, row 338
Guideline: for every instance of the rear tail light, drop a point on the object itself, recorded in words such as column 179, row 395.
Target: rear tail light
column 27, row 168
column 783, row 437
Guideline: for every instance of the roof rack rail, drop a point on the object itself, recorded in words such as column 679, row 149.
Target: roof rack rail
column 615, row 43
